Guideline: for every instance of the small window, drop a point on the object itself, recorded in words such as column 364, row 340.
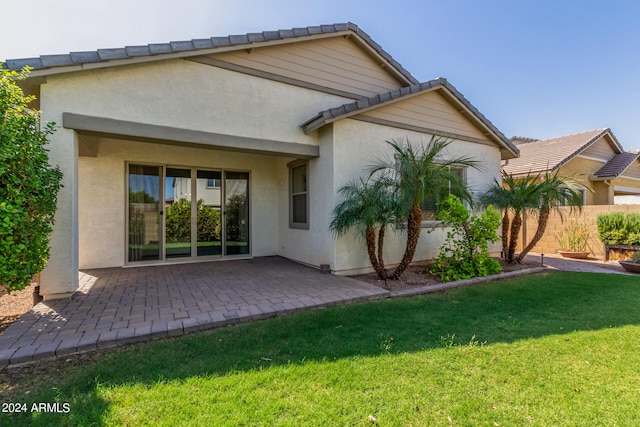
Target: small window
column 430, row 204
column 298, row 195
column 213, row 182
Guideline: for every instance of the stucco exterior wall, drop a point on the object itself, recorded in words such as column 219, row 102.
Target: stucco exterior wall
column 189, row 95
column 102, row 195
column 176, row 93
column 581, row 169
column 356, row 145
column 314, row 246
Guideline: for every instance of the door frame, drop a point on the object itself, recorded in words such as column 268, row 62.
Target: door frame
column 162, row 243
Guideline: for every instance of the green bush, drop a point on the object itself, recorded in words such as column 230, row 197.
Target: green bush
column 28, row 186
column 616, row 228
column 178, row 222
column 465, row 254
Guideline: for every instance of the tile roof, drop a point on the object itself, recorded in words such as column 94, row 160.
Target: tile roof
column 549, row 154
column 616, row 166
column 352, row 108
column 196, row 47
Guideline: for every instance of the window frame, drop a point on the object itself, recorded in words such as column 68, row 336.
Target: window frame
column 293, row 166
column 434, row 221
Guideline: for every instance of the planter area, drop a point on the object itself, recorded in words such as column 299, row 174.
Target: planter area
column 619, row 252
column 631, row 267
column 574, row 255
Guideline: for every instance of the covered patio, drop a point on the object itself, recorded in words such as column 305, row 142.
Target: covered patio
column 118, row 305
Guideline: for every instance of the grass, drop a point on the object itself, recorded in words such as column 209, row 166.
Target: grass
column 550, row 349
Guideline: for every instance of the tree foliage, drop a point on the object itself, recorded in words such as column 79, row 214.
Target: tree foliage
column 178, row 222
column 419, row 171
column 367, row 206
column 28, row 185
column 465, row 254
column 536, row 194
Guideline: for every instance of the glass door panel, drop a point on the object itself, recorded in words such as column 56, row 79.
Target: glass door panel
column 236, row 185
column 144, row 223
column 178, row 213
column 209, row 201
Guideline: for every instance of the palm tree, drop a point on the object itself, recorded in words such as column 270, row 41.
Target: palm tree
column 553, row 192
column 367, row 206
column 419, row 172
column 513, row 196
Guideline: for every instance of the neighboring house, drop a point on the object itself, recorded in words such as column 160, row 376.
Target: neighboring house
column 595, row 158
column 273, row 123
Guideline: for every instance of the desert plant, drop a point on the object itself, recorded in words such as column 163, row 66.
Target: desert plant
column 465, row 254
column 367, row 206
column 420, row 171
column 575, row 237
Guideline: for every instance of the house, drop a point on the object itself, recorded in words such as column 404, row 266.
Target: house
column 602, row 169
column 269, row 125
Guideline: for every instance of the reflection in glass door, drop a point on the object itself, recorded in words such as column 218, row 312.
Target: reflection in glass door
column 144, row 223
column 236, row 186
column 178, row 216
column 209, row 200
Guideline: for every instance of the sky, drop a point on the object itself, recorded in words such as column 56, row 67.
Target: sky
column 539, row 69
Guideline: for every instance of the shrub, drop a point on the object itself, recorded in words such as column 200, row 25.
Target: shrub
column 575, row 237
column 465, row 254
column 28, row 185
column 616, row 228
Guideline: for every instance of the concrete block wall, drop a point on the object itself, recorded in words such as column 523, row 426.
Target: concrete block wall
column 588, row 215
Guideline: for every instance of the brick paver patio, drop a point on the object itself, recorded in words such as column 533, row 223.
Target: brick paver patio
column 119, row 305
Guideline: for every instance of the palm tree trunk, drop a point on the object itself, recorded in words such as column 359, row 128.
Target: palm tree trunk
column 380, row 246
column 505, row 233
column 370, row 235
column 414, row 224
column 516, row 224
column 543, row 219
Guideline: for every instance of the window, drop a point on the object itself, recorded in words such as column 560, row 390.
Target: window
column 430, row 204
column 298, row 195
column 213, row 182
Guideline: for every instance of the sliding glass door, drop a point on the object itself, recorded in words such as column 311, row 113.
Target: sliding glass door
column 205, row 213
column 144, row 219
column 209, row 214
column 236, row 213
column 178, row 216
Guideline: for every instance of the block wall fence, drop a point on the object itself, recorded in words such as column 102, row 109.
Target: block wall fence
column 588, row 215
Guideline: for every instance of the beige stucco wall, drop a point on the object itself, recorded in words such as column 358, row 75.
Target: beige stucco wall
column 356, row 145
column 189, row 95
column 102, row 195
column 581, row 169
column 176, row 93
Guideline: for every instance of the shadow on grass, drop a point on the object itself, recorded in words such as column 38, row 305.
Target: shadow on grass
column 500, row 312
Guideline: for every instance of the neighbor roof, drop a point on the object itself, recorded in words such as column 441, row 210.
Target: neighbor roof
column 616, row 166
column 51, row 64
column 363, row 104
column 549, row 154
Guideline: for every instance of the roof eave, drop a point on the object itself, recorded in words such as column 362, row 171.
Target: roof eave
column 104, row 58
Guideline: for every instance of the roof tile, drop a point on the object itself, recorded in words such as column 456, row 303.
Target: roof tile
column 51, row 61
column 202, row 43
column 138, row 50
column 108, row 54
column 239, row 39
column 550, row 154
column 56, row 60
column 80, row 57
column 181, row 46
column 255, row 37
column 616, row 165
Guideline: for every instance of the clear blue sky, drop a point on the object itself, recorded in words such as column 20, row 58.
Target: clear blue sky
column 535, row 68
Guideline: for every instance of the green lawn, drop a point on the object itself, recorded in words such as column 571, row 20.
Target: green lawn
column 551, row 349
